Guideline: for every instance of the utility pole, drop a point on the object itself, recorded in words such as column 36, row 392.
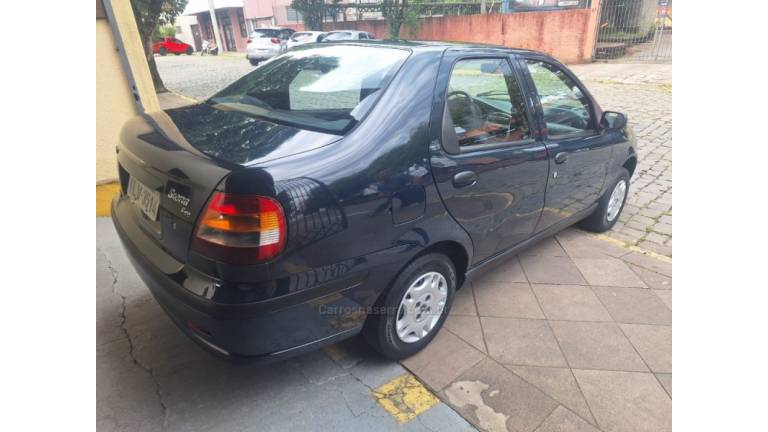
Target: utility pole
column 215, row 24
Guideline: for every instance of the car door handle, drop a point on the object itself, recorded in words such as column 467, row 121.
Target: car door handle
column 561, row 157
column 464, row 179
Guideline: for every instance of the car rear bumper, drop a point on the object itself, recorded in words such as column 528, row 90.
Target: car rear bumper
column 260, row 331
column 261, row 54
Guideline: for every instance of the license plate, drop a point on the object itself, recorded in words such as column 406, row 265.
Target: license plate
column 146, row 199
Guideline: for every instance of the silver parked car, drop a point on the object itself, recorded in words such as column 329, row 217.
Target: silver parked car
column 265, row 43
column 305, row 37
column 340, row 35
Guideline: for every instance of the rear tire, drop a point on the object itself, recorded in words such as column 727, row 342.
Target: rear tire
column 411, row 313
column 163, row 51
column 254, row 62
column 610, row 205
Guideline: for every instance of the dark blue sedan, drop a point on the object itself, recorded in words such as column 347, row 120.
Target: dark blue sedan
column 354, row 187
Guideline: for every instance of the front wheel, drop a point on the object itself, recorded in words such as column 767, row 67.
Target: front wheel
column 414, row 309
column 190, row 50
column 610, row 205
column 254, row 62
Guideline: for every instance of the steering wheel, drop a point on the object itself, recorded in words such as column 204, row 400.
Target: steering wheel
column 474, row 114
column 567, row 116
column 499, row 117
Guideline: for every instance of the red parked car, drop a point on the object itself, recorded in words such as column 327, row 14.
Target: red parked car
column 172, row 45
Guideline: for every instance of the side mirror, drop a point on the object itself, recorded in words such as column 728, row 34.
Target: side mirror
column 613, row 120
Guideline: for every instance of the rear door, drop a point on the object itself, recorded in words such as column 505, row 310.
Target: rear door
column 578, row 152
column 490, row 168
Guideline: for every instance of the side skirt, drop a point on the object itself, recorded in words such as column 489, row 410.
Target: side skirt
column 493, row 261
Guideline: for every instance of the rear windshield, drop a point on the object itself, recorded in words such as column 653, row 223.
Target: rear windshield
column 326, row 89
column 301, row 36
column 265, row 33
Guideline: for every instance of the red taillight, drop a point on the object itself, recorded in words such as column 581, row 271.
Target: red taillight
column 248, row 40
column 241, row 229
column 275, row 40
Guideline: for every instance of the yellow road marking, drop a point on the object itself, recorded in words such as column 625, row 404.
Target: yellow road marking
column 404, row 398
column 185, row 97
column 634, row 248
column 104, row 195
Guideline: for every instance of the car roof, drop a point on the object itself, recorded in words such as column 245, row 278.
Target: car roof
column 272, row 28
column 439, row 45
column 347, row 31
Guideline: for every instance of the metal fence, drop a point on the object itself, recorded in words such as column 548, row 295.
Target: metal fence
column 634, row 31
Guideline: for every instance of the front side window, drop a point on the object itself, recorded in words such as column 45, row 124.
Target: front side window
column 485, row 103
column 326, row 88
column 566, row 109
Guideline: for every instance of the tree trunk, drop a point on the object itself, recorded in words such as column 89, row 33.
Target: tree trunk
column 147, row 24
column 156, row 79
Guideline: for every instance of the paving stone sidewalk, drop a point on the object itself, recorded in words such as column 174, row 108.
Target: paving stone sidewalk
column 572, row 335
column 644, row 93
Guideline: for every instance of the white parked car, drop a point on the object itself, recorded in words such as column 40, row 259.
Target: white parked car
column 265, row 43
column 340, row 35
column 305, row 37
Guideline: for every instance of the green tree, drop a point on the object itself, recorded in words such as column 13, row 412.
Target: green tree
column 149, row 15
column 395, row 12
column 165, row 30
column 312, row 13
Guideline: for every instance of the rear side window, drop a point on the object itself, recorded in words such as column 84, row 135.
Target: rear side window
column 485, row 103
column 298, row 37
column 325, row 88
column 565, row 107
column 338, row 36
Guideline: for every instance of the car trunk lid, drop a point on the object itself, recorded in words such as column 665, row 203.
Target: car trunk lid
column 180, row 156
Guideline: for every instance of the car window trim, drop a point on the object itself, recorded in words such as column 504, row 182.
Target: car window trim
column 492, row 146
column 591, row 132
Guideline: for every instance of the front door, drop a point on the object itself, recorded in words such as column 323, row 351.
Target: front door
column 490, row 169
column 196, row 38
column 578, row 152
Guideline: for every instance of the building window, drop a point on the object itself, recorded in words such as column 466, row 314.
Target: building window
column 241, row 21
column 292, row 14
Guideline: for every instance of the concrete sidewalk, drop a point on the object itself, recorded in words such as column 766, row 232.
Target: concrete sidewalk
column 151, row 377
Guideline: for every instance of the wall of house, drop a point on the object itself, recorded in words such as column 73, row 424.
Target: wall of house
column 568, row 35
column 267, row 9
column 241, row 42
column 185, row 23
column 115, row 102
